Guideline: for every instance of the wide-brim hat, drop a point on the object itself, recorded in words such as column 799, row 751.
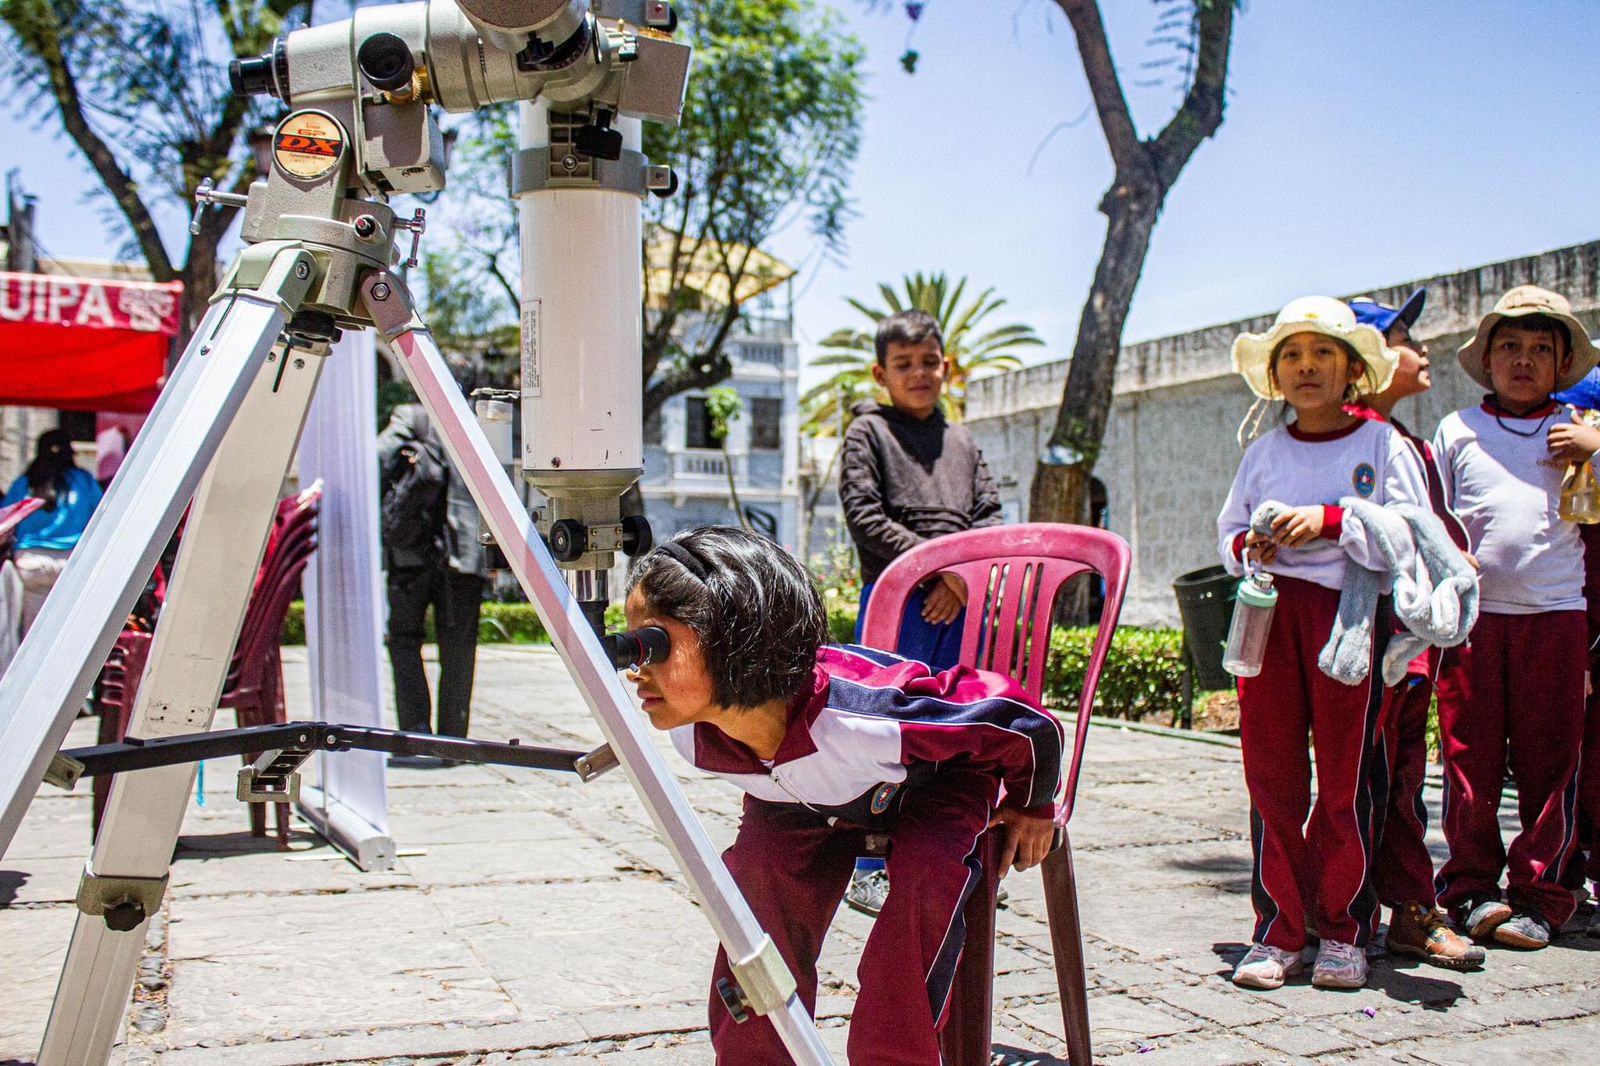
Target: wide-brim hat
column 1252, row 352
column 1520, row 302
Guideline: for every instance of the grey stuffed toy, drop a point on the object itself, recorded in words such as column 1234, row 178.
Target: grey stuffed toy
column 1435, row 588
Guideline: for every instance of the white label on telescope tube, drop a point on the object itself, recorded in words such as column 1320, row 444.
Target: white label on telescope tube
column 531, row 385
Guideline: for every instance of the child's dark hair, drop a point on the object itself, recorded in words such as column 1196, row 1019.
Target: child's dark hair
column 1535, row 323
column 756, row 611
column 906, row 327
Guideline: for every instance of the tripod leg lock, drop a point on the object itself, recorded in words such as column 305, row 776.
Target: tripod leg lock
column 124, row 902
column 595, row 763
column 764, row 983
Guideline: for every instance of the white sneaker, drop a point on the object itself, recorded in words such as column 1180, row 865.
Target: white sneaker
column 1265, row 966
column 1339, row 966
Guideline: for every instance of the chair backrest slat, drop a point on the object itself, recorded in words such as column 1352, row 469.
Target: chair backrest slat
column 1013, row 575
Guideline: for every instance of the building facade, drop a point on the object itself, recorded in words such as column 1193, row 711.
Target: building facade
column 1170, row 453
column 687, row 469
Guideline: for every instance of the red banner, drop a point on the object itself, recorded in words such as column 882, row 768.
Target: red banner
column 92, row 303
column 85, row 344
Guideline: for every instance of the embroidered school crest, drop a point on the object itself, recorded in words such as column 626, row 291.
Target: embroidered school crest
column 1364, row 480
column 883, row 797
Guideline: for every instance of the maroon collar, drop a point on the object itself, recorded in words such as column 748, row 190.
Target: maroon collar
column 1319, row 438
column 718, row 752
column 1492, row 406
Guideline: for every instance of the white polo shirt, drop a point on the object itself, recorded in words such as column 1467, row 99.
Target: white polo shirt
column 1502, row 483
column 1368, row 459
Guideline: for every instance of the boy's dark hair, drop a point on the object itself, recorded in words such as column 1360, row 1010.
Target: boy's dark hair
column 756, row 611
column 906, row 327
column 1535, row 323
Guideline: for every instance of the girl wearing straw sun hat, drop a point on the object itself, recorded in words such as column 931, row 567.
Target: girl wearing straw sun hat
column 1316, row 358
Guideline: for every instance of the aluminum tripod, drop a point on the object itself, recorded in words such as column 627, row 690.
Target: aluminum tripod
column 229, row 422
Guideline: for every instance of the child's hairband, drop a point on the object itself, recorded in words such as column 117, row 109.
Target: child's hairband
column 687, row 558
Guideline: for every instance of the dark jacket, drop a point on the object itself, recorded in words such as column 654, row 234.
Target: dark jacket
column 904, row 480
column 409, row 425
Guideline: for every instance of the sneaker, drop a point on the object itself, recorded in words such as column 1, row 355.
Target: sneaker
column 1594, row 925
column 868, row 892
column 1423, row 933
column 1526, row 930
column 1265, row 966
column 1480, row 918
column 1339, row 966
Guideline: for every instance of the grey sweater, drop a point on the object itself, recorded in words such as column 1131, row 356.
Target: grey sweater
column 904, row 480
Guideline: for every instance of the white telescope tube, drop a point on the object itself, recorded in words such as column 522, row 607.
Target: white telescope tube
column 582, row 388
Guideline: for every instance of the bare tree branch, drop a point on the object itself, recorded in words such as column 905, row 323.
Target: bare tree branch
column 1109, row 101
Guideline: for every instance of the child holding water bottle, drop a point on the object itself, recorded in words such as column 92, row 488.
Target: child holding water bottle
column 1316, row 358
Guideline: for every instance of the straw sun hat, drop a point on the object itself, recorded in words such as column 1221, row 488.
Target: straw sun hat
column 1252, row 352
column 1530, row 300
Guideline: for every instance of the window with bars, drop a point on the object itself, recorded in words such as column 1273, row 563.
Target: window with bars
column 697, row 425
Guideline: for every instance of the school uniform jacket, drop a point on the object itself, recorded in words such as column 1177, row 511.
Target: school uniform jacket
column 873, row 725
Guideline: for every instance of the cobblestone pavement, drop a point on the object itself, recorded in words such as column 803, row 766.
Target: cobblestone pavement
column 532, row 917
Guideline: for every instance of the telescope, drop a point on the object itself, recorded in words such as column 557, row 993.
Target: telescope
column 597, row 70
column 320, row 251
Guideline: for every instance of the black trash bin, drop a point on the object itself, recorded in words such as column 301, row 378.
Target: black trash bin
column 1205, row 603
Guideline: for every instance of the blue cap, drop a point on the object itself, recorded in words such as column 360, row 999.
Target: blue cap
column 1585, row 395
column 1379, row 316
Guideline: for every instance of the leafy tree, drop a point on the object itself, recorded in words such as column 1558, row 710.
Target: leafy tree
column 971, row 352
column 723, row 408
column 770, row 131
column 142, row 90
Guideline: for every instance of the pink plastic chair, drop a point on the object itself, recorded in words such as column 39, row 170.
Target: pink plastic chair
column 1013, row 574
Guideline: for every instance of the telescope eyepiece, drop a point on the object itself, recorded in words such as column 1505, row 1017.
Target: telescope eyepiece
column 263, row 75
column 386, row 62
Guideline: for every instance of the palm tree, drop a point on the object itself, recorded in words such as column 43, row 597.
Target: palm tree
column 971, row 353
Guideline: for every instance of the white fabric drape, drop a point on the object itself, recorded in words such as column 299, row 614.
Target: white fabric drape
column 344, row 600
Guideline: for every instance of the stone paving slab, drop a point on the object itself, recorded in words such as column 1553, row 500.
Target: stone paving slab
column 532, row 917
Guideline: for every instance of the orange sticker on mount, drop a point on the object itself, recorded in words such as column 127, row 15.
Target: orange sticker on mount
column 307, row 144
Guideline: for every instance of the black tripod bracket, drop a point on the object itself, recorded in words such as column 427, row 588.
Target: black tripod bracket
column 274, row 776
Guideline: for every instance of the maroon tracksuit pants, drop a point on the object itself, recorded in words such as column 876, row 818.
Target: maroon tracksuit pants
column 1323, row 863
column 793, row 868
column 1402, row 867
column 1517, row 685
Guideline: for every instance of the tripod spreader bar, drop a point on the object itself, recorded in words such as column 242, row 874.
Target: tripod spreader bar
column 285, row 747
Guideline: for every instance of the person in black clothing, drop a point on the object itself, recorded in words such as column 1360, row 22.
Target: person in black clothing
column 433, row 557
column 906, row 476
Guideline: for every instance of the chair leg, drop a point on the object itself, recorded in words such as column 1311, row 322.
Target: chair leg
column 1066, row 941
column 967, row 1039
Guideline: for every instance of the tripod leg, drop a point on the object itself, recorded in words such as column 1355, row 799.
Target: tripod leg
column 736, row 927
column 217, row 561
column 56, row 664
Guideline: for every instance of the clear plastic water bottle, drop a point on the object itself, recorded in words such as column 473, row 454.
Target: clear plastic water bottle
column 1252, row 620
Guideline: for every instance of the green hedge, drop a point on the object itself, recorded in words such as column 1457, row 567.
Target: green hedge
column 1143, row 675
column 1142, row 678
column 499, row 623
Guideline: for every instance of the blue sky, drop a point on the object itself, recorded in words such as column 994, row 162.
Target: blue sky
column 1365, row 142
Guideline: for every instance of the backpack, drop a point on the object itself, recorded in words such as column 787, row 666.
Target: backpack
column 412, row 511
